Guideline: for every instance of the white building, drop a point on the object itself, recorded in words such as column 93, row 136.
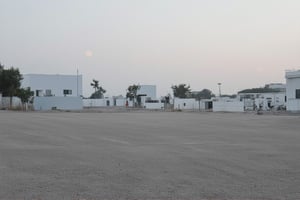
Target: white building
column 293, row 90
column 53, row 84
column 279, row 86
column 55, row 91
column 145, row 94
column 148, row 91
column 271, row 97
column 185, row 104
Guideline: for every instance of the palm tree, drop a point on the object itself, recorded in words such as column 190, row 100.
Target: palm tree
column 99, row 91
column 95, row 85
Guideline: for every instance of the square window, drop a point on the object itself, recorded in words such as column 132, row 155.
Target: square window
column 67, row 92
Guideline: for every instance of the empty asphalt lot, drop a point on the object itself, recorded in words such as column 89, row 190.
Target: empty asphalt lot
column 149, row 155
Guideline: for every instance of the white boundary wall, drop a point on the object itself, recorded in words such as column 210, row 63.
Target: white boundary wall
column 154, row 105
column 121, row 102
column 106, row 102
column 228, row 106
column 186, row 104
column 94, row 102
column 62, row 103
column 5, row 101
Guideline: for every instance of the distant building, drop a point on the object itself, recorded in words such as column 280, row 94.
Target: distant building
column 53, row 84
column 146, row 94
column 272, row 96
column 148, row 91
column 55, row 91
column 293, row 90
column 277, row 86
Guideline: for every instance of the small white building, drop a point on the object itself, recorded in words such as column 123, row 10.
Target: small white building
column 145, row 93
column 185, row 104
column 54, row 91
column 271, row 97
column 53, row 84
column 293, row 90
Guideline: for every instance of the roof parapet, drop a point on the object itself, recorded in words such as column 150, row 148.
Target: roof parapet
column 292, row 74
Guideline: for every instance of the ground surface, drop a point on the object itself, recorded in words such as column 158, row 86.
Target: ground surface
column 150, row 155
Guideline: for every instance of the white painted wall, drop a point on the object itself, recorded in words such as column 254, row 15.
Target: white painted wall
column 130, row 103
column 228, row 106
column 62, row 103
column 54, row 82
column 275, row 99
column 292, row 83
column 94, row 102
column 121, row 102
column 262, row 99
column 154, row 105
column 293, row 105
column 98, row 102
column 149, row 90
column 202, row 104
column 5, row 102
column 185, row 104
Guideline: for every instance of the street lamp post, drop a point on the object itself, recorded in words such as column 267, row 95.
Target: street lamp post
column 219, row 84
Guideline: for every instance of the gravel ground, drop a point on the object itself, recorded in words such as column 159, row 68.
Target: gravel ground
column 149, row 155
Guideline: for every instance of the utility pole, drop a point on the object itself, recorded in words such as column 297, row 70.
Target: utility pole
column 219, row 84
column 77, row 81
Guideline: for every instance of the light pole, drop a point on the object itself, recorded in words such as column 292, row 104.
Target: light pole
column 219, row 84
column 77, row 82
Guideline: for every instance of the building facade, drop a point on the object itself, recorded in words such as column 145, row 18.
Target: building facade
column 293, row 90
column 53, row 84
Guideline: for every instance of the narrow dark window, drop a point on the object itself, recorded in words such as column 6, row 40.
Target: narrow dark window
column 297, row 93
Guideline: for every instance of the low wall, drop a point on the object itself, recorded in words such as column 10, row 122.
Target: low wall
column 154, row 105
column 228, row 106
column 120, row 102
column 62, row 103
column 5, row 102
column 98, row 102
column 94, row 102
column 186, row 104
column 293, row 105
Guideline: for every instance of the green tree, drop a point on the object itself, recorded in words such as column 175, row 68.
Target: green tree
column 132, row 92
column 99, row 94
column 10, row 81
column 259, row 90
column 181, row 91
column 99, row 91
column 24, row 94
column 203, row 94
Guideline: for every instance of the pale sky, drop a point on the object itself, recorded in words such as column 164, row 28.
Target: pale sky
column 240, row 43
